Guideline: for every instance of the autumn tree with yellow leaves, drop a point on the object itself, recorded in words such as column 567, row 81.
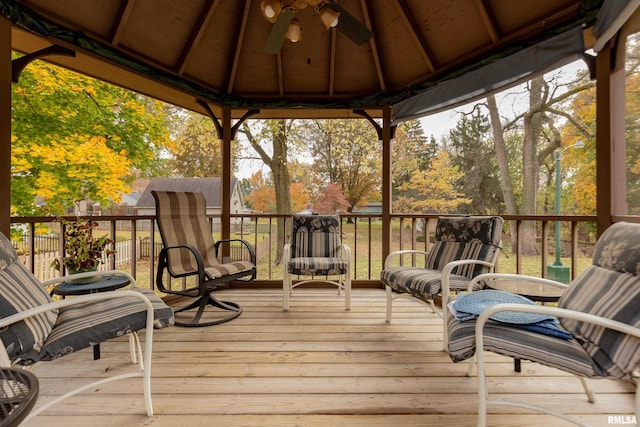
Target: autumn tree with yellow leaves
column 76, row 138
column 434, row 189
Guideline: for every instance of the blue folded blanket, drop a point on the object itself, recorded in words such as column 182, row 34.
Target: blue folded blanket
column 547, row 328
column 470, row 306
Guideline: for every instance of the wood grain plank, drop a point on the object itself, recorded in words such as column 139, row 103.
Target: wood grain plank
column 314, row 365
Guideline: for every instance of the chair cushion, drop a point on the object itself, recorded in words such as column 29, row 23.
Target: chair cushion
column 609, row 288
column 20, row 291
column 82, row 325
column 308, row 266
column 508, row 340
column 612, row 295
column 444, row 252
column 618, row 248
column 315, row 236
column 227, row 269
column 421, row 283
column 8, row 254
column 486, row 230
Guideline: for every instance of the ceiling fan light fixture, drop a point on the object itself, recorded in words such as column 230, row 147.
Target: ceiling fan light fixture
column 294, row 31
column 328, row 16
column 271, row 9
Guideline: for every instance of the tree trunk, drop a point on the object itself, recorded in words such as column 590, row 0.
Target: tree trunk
column 282, row 183
column 279, row 165
column 502, row 156
column 532, row 127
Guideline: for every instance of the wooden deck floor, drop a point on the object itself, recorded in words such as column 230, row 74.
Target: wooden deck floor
column 315, row 365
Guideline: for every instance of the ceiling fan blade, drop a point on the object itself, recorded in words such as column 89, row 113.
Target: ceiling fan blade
column 350, row 26
column 276, row 36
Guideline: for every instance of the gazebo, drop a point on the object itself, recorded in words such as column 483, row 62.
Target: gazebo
column 388, row 59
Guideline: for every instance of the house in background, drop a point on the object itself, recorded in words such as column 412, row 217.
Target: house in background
column 127, row 205
column 374, row 208
column 210, row 187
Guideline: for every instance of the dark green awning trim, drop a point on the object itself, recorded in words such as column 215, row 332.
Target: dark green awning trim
column 496, row 76
column 31, row 21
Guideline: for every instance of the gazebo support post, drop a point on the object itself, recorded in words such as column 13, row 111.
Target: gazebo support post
column 5, row 126
column 386, row 181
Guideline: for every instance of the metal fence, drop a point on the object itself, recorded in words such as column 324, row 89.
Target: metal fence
column 362, row 232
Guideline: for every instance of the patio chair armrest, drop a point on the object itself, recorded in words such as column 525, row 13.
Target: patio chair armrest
column 511, row 276
column 446, row 271
column 162, row 261
column 345, row 251
column 444, row 282
column 90, row 274
column 286, row 254
column 550, row 311
column 247, row 245
column 388, row 260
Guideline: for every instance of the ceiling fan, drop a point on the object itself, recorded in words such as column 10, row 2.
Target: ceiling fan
column 283, row 16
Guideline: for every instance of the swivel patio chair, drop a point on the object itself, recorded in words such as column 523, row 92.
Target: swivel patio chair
column 316, row 249
column 464, row 248
column 33, row 328
column 189, row 251
column 598, row 335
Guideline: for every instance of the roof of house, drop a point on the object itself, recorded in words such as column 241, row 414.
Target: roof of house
column 210, row 187
column 370, row 208
column 130, row 199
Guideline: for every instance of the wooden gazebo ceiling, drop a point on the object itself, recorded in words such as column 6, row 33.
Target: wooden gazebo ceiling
column 180, row 51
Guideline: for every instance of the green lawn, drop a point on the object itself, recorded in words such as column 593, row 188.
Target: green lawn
column 365, row 244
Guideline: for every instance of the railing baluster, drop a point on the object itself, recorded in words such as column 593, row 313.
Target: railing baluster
column 264, row 238
column 152, row 252
column 369, row 248
column 574, row 248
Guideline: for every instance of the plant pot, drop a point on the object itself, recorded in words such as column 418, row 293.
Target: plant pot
column 84, row 280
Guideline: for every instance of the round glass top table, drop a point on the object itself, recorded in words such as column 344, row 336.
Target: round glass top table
column 101, row 284
column 532, row 290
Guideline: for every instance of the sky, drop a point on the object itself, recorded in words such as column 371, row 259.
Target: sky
column 510, row 103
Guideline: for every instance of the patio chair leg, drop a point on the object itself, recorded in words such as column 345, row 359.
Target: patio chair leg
column 347, row 292
column 202, row 303
column 286, row 291
column 389, row 301
column 591, row 396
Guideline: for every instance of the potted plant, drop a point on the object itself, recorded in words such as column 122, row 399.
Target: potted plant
column 82, row 251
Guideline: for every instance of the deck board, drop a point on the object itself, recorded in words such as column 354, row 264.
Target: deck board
column 315, row 365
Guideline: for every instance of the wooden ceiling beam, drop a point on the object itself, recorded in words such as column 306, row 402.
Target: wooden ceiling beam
column 238, row 49
column 196, row 35
column 421, row 44
column 488, row 19
column 332, row 62
column 374, row 47
column 280, row 70
column 120, row 21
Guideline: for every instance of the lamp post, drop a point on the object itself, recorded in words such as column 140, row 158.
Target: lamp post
column 557, row 271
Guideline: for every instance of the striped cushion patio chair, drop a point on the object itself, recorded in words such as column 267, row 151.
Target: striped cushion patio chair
column 599, row 308
column 33, row 328
column 189, row 251
column 316, row 250
column 464, row 247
